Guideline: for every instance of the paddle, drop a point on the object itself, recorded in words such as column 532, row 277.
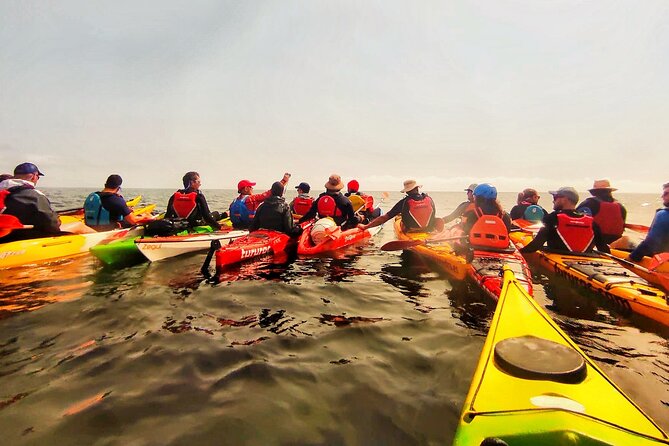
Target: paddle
column 9, row 223
column 660, row 278
column 74, row 211
column 398, row 245
column 637, row 228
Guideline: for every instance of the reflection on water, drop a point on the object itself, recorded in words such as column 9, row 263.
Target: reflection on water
column 366, row 348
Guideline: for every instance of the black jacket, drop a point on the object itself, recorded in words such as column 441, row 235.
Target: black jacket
column 31, row 207
column 274, row 214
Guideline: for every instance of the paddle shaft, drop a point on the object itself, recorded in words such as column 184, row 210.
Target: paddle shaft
column 398, row 245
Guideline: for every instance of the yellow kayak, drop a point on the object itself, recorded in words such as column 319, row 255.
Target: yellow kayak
column 534, row 386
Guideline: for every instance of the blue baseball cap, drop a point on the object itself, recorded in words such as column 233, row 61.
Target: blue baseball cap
column 25, row 168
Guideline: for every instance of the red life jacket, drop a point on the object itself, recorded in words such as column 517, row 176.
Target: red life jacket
column 302, row 205
column 3, row 195
column 184, row 204
column 418, row 214
column 369, row 202
column 489, row 231
column 610, row 218
column 575, row 232
column 327, row 207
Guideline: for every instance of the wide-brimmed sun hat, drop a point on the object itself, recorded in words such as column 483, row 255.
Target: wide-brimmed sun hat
column 410, row 185
column 334, row 183
column 602, row 185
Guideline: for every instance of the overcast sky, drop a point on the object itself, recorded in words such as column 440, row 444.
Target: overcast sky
column 518, row 93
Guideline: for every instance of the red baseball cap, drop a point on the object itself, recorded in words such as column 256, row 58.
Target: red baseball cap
column 244, row 183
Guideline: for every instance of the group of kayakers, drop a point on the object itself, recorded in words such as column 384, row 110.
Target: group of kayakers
column 597, row 221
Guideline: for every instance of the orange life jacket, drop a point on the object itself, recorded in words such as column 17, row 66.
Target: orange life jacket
column 489, row 231
column 575, row 232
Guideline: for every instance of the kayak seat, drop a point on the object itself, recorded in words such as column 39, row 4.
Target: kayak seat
column 530, row 357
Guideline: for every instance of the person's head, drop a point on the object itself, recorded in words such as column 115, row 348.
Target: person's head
column 565, row 198
column 411, row 187
column 277, row 189
column 28, row 172
column 485, row 192
column 303, row 188
column 353, row 186
column 665, row 194
column 6, row 176
column 470, row 191
column 114, row 181
column 191, row 180
column 334, row 183
column 245, row 187
column 530, row 195
column 602, row 188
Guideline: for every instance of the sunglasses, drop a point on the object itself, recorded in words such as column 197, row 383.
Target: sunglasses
column 555, row 197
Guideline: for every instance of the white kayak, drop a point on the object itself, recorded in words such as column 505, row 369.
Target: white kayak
column 159, row 248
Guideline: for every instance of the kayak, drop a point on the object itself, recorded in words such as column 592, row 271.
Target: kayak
column 78, row 213
column 335, row 240
column 119, row 251
column 484, row 266
column 159, row 248
column 254, row 244
column 48, row 249
column 71, row 218
column 647, row 267
column 533, row 385
column 606, row 277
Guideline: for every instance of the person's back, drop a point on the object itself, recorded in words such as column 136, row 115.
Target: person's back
column 243, row 208
column 607, row 212
column 106, row 209
column 464, row 206
column 274, row 214
column 333, row 204
column 303, row 202
column 528, row 197
column 190, row 204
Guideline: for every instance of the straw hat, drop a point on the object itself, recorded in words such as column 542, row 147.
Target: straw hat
column 410, row 185
column 602, row 185
column 334, row 183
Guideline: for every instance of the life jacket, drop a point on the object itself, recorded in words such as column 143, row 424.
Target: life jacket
column 184, row 204
column 489, row 231
column 302, row 205
column 94, row 213
column 575, row 232
column 239, row 212
column 418, row 215
column 610, row 218
column 327, row 207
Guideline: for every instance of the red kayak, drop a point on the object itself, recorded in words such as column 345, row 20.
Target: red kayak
column 335, row 239
column 255, row 244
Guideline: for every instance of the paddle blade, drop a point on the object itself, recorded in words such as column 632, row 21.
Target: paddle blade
column 638, row 228
column 398, row 245
column 658, row 261
column 10, row 222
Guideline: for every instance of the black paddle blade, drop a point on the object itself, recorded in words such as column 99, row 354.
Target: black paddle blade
column 398, row 245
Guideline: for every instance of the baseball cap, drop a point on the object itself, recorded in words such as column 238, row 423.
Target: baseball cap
column 471, row 187
column 25, row 168
column 567, row 192
column 244, row 183
column 304, row 186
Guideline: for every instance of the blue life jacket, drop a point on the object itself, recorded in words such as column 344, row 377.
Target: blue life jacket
column 94, row 213
column 239, row 213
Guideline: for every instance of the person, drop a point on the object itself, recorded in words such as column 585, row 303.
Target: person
column 657, row 240
column 5, row 176
column 491, row 232
column 243, row 208
column 301, row 204
column 275, row 214
column 332, row 203
column 190, row 204
column 366, row 202
column 607, row 212
column 566, row 229
column 528, row 197
column 106, row 209
column 20, row 198
column 464, row 206
column 416, row 210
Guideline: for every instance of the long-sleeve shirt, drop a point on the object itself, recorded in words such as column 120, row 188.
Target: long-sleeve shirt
column 657, row 239
column 548, row 234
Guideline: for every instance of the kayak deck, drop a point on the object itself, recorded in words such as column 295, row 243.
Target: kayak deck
column 561, row 397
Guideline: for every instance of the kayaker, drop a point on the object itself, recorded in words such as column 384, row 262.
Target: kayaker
column 608, row 212
column 657, row 240
column 5, row 176
column 190, row 204
column 464, row 206
column 243, row 208
column 275, row 214
column 528, row 197
column 416, row 210
column 566, row 229
column 106, row 209
column 301, row 204
column 368, row 211
column 332, row 203
column 20, row 198
column 485, row 224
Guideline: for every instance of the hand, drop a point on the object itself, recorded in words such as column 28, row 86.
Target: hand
column 361, row 226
